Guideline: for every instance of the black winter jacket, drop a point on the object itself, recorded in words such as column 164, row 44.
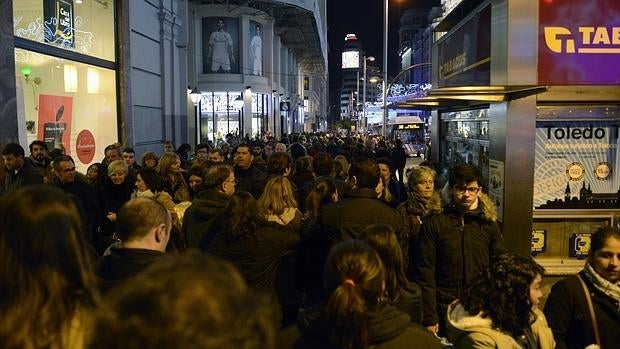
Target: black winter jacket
column 389, row 328
column 568, row 315
column 347, row 218
column 122, row 264
column 451, row 251
column 200, row 216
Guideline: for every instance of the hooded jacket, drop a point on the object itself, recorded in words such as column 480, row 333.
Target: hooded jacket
column 474, row 331
column 389, row 328
column 199, row 217
column 452, row 250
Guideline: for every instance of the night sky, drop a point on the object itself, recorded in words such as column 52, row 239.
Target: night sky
column 365, row 19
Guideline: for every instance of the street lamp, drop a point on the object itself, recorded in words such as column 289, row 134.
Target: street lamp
column 195, row 95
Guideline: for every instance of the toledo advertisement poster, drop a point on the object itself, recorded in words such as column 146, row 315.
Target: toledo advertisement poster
column 55, row 121
column 576, row 165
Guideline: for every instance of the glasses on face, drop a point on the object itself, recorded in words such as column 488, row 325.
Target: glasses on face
column 470, row 190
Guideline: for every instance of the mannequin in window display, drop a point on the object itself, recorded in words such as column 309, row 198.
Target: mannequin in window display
column 256, row 52
column 221, row 49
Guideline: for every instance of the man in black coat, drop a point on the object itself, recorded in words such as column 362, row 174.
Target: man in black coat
column 68, row 180
column 249, row 177
column 360, row 208
column 19, row 172
column 455, row 245
column 144, row 228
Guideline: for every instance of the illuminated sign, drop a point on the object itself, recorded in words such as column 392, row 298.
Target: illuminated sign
column 408, row 126
column 579, row 245
column 464, row 55
column 59, row 22
column 539, row 241
column 350, row 60
column 579, row 42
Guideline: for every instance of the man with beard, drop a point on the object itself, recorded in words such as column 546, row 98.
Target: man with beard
column 455, row 245
column 38, row 159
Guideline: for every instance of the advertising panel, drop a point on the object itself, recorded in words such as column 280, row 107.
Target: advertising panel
column 579, row 42
column 350, row 60
column 465, row 54
column 220, row 44
column 55, row 121
column 59, row 19
column 576, row 165
column 256, row 49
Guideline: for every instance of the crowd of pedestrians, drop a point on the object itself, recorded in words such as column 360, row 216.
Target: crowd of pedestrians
column 311, row 242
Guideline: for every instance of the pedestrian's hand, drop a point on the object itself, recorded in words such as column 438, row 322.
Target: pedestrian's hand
column 433, row 328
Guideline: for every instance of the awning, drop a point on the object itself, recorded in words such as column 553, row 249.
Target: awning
column 467, row 96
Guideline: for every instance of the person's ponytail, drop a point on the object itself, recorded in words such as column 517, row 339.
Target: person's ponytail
column 354, row 277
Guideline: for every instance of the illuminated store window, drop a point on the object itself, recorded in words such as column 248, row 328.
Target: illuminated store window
column 67, row 104
column 85, row 27
column 221, row 106
column 259, row 113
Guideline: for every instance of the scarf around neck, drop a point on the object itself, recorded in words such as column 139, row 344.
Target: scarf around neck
column 610, row 289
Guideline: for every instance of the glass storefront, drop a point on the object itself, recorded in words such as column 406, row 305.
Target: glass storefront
column 65, row 75
column 222, row 107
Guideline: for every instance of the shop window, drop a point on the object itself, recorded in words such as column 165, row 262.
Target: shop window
column 85, row 27
column 67, row 104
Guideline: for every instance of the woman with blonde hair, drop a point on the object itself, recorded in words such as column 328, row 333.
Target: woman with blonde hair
column 47, row 284
column 173, row 180
column 423, row 201
column 116, row 190
column 277, row 203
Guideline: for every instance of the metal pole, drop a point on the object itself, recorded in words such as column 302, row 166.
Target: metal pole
column 385, row 67
column 357, row 100
column 197, row 108
column 364, row 121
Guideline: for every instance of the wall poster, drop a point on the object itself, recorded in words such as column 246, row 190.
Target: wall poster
column 496, row 186
column 55, row 114
column 220, row 45
column 576, row 164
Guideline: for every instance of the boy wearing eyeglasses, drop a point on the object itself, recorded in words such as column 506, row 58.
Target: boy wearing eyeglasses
column 455, row 245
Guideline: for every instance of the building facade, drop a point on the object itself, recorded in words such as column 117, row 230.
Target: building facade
column 85, row 74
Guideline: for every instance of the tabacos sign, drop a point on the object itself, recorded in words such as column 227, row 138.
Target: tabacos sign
column 579, row 42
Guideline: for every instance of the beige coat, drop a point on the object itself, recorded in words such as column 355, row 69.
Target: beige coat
column 476, row 332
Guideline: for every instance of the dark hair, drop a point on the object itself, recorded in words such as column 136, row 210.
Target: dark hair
column 323, row 164
column 219, row 151
column 137, row 217
column 46, row 275
column 149, row 155
column 114, row 146
column 502, row 293
column 321, row 194
column 384, row 240
column 297, row 150
column 278, row 163
column 13, row 149
column 129, row 150
column 202, row 146
column 354, row 278
column 366, row 171
column 39, row 143
column 151, row 178
column 58, row 159
column 462, row 174
column 212, row 308
column 215, row 176
column 243, row 216
column 387, row 162
column 600, row 236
